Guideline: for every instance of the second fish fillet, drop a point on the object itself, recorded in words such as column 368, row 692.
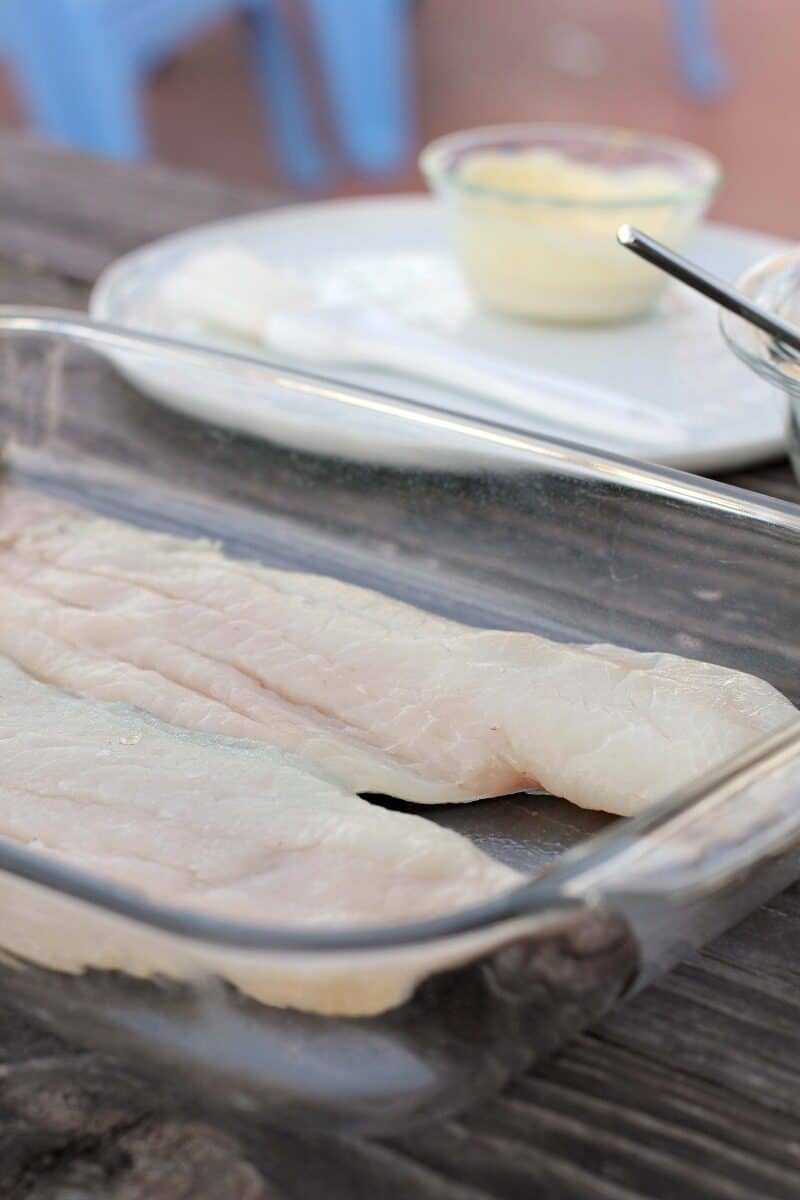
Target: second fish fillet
column 230, row 827
column 380, row 695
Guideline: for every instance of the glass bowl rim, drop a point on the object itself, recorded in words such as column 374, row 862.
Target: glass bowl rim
column 439, row 174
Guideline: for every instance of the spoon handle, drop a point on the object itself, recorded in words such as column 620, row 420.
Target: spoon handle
column 582, row 407
column 695, row 277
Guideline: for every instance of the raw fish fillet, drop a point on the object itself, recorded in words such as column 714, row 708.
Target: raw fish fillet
column 233, row 827
column 378, row 694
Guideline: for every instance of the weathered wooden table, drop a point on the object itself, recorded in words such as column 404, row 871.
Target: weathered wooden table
column 692, row 1090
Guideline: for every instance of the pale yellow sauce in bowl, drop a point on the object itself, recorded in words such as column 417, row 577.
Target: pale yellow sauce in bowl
column 534, row 210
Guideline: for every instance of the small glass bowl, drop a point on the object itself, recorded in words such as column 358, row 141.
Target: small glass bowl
column 774, row 284
column 554, row 257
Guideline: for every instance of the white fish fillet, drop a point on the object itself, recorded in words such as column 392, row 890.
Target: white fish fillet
column 232, row 827
column 380, row 695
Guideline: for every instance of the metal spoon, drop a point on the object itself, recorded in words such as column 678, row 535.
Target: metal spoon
column 695, row 277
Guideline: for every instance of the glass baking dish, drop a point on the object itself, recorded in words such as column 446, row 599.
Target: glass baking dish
column 367, row 1030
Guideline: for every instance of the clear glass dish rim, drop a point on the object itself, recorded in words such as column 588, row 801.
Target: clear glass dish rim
column 440, row 176
column 736, row 331
column 544, row 894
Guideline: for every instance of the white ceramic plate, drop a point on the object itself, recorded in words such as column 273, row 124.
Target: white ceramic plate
column 395, row 249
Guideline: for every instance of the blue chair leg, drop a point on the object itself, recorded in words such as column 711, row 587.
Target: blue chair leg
column 364, row 47
column 699, row 59
column 283, row 96
column 76, row 82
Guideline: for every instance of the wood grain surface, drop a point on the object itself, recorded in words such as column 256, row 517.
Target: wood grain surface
column 690, row 1091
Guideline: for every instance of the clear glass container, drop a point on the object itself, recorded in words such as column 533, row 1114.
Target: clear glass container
column 774, row 284
column 543, row 244
column 366, row 1030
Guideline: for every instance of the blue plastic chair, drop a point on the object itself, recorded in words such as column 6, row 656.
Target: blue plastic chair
column 79, row 64
column 700, row 60
column 364, row 49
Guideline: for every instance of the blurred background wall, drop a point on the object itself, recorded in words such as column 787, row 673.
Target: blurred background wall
column 722, row 74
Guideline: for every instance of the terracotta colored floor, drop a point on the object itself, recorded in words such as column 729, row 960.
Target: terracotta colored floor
column 483, row 61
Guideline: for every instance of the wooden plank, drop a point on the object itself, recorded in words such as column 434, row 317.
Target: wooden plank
column 774, row 479
column 73, row 213
column 691, row 1090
